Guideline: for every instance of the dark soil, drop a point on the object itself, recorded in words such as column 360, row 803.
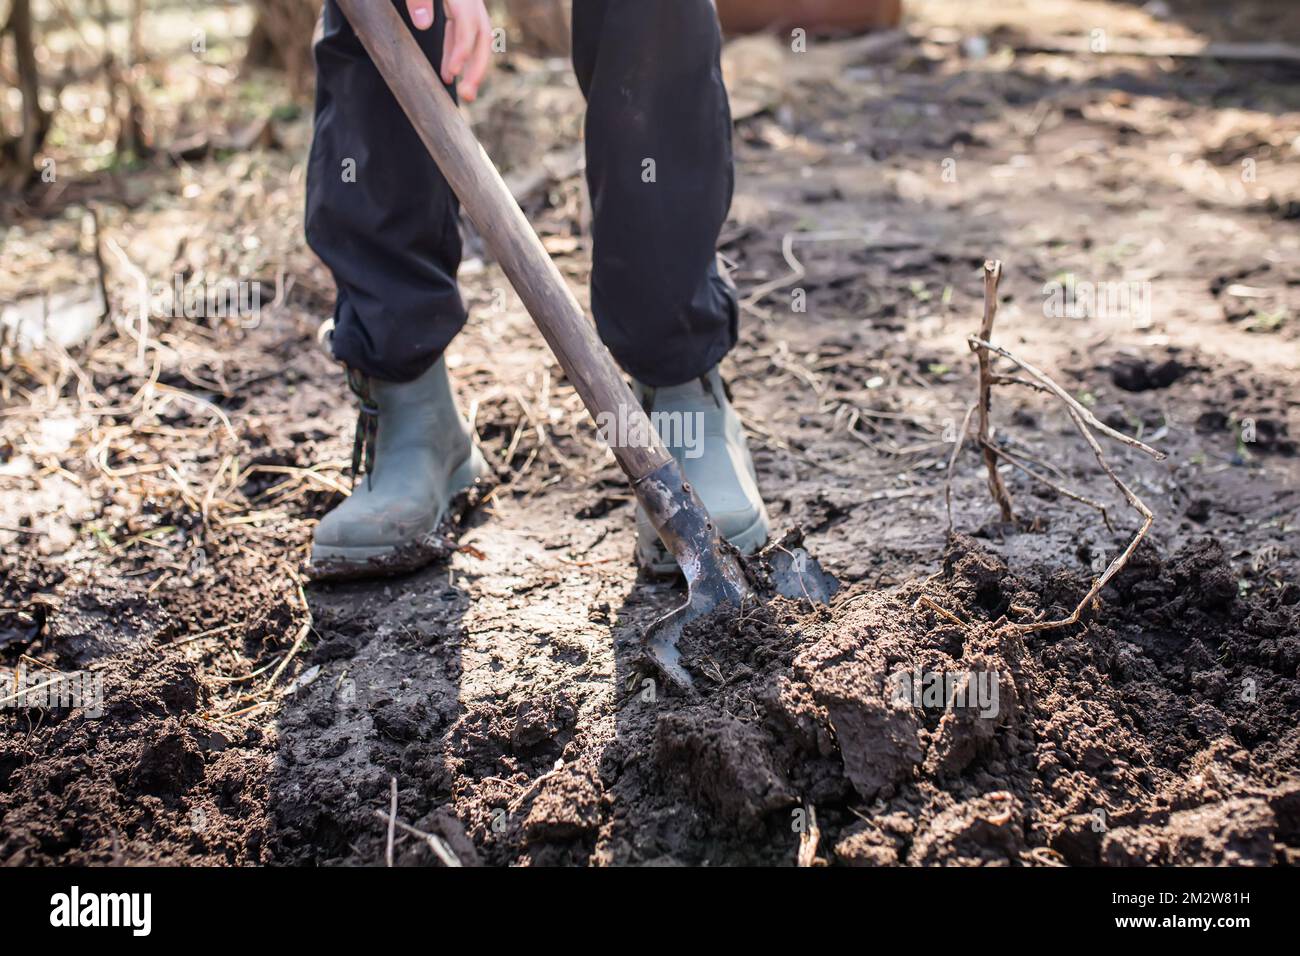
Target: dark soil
column 1165, row 731
column 1114, row 743
column 155, row 518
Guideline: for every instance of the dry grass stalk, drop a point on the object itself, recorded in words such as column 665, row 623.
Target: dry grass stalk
column 392, row 821
column 441, row 849
column 809, row 837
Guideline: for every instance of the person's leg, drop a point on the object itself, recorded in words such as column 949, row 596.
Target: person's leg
column 659, row 167
column 379, row 213
column 381, row 216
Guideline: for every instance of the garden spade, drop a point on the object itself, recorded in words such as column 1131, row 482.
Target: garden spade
column 716, row 576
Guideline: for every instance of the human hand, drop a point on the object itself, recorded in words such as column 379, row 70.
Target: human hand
column 467, row 49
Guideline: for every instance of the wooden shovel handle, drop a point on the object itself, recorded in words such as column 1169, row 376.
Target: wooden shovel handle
column 502, row 224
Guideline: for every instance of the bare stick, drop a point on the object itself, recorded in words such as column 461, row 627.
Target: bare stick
column 1083, row 420
column 1118, row 563
column 100, row 270
column 1013, row 380
column 809, row 838
column 437, row 844
column 1061, row 489
column 299, row 640
column 992, row 274
column 30, row 690
column 142, row 290
column 978, row 344
column 392, row 821
column 952, row 462
column 928, row 602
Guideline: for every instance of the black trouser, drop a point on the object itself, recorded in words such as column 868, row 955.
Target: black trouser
column 381, row 216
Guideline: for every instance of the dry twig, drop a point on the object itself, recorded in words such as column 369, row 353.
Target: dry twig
column 809, row 838
column 392, row 821
column 992, row 275
column 1081, row 410
column 952, row 462
column 441, row 849
column 1084, row 421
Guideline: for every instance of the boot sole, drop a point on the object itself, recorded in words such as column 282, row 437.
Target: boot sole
column 438, row 543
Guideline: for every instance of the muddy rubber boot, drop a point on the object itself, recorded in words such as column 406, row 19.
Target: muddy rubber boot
column 417, row 454
column 703, row 432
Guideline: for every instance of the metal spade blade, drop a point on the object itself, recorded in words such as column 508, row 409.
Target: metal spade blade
column 715, row 575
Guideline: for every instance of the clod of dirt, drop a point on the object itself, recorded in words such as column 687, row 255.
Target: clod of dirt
column 1233, row 833
column 866, row 844
column 1213, row 420
column 442, row 823
column 100, row 623
column 724, row 764
column 565, row 805
column 1270, row 435
column 1143, row 375
column 988, row 829
column 541, row 723
column 403, row 720
column 877, row 735
column 170, row 762
column 965, row 733
column 1198, row 509
column 1025, row 752
column 1258, row 432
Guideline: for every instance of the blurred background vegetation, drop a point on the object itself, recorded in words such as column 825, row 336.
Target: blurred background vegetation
column 94, row 83
column 90, row 85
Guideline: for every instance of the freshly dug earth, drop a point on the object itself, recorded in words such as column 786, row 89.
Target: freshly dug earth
column 75, row 789
column 1164, row 732
column 155, row 515
column 153, row 779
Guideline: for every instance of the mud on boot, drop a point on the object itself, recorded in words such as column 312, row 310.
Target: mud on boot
column 703, row 432
column 413, row 454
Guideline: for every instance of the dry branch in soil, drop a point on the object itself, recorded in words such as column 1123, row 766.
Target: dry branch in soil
column 1083, row 420
column 997, row 488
